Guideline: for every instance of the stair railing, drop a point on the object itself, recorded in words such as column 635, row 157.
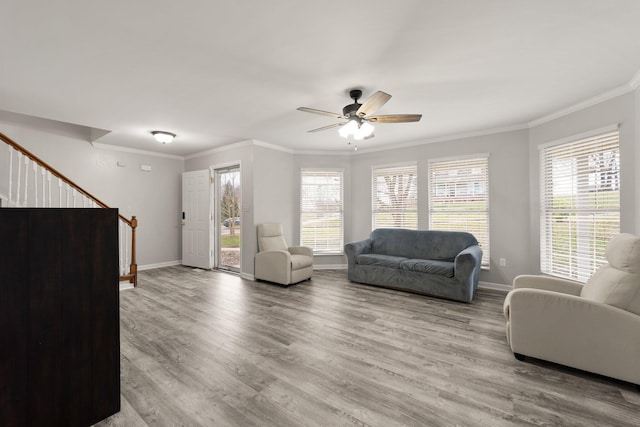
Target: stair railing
column 33, row 183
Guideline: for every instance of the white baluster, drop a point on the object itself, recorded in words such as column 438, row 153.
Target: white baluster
column 126, row 249
column 26, row 179
column 59, row 193
column 120, row 232
column 19, row 178
column 10, row 172
column 75, row 194
column 44, row 191
column 34, row 166
column 49, row 185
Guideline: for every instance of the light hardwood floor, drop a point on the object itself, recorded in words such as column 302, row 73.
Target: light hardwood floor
column 205, row 348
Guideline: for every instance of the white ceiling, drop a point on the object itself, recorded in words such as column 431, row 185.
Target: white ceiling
column 218, row 72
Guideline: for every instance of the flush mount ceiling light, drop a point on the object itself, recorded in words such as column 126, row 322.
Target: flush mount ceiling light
column 162, row 136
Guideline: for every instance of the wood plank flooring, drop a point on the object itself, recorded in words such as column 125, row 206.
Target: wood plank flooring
column 205, row 348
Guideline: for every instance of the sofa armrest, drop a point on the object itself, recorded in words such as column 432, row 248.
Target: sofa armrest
column 574, row 331
column 547, row 283
column 300, row 250
column 353, row 249
column 467, row 265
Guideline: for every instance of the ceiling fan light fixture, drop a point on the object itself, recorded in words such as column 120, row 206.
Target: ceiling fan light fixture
column 349, row 129
column 360, row 116
column 162, row 136
column 357, row 129
column 366, row 129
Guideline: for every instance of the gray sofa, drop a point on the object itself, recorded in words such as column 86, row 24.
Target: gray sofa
column 443, row 264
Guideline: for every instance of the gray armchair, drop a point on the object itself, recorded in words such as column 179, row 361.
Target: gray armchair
column 276, row 262
column 594, row 327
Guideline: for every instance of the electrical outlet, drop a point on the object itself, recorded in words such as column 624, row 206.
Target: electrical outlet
column 503, row 262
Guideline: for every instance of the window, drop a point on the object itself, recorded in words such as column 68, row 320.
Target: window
column 459, row 198
column 580, row 204
column 394, row 197
column 321, row 212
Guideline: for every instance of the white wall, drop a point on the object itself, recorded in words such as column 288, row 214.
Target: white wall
column 274, row 190
column 508, row 193
column 153, row 197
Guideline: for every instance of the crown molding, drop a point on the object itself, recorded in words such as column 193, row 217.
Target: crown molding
column 135, row 151
column 273, row 147
column 635, row 81
column 453, row 137
column 220, row 149
column 327, row 153
column 621, row 90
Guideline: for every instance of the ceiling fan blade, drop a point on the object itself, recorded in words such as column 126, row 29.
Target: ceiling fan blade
column 374, row 102
column 395, row 118
column 324, row 113
column 336, row 125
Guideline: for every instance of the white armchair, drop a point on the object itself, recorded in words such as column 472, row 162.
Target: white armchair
column 278, row 263
column 594, row 327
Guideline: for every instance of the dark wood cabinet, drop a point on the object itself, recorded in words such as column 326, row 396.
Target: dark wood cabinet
column 59, row 316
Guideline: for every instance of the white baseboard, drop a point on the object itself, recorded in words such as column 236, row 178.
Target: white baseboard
column 494, row 286
column 159, row 265
column 247, row 276
column 124, row 285
column 330, row 266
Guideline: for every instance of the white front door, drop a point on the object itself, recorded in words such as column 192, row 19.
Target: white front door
column 196, row 219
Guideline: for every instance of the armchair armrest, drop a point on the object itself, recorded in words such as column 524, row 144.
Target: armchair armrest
column 280, row 257
column 274, row 266
column 547, row 283
column 574, row 331
column 300, row 250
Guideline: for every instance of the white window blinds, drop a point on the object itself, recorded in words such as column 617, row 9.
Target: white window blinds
column 321, row 210
column 459, row 198
column 580, row 204
column 395, row 197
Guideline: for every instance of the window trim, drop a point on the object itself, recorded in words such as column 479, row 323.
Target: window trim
column 413, row 164
column 547, row 259
column 323, row 252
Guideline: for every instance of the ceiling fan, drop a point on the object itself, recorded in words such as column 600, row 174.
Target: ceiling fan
column 358, row 117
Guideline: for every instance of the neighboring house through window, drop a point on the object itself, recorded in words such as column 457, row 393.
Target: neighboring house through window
column 321, row 210
column 395, row 197
column 580, row 203
column 459, row 198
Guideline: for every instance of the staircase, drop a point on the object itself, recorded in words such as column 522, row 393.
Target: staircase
column 32, row 183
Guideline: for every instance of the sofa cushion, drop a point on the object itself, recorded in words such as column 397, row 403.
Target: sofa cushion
column 380, row 260
column 421, row 244
column 441, row 268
